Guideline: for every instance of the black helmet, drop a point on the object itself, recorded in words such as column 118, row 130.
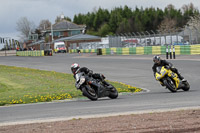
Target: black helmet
column 74, row 67
column 156, row 59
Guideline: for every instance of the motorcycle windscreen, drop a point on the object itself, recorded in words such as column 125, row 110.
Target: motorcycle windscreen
column 160, row 72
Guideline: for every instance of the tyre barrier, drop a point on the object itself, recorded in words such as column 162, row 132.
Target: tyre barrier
column 99, row 51
column 30, row 53
column 48, row 52
column 148, row 50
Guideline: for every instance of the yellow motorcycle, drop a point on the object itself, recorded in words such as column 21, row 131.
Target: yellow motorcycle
column 170, row 79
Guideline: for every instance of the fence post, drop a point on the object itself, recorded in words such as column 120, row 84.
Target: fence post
column 154, row 41
column 170, row 51
column 166, row 51
column 144, row 38
column 174, row 56
column 5, row 50
column 140, row 37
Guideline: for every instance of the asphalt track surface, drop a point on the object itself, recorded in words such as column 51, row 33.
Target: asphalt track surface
column 134, row 70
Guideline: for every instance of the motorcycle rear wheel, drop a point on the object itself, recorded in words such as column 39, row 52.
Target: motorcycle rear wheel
column 90, row 93
column 170, row 85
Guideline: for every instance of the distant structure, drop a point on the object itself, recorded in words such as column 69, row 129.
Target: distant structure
column 63, row 30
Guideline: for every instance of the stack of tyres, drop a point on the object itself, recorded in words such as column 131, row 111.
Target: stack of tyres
column 99, row 51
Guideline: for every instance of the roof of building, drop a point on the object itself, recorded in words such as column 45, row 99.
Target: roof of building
column 71, row 38
column 78, row 37
column 66, row 25
column 38, row 42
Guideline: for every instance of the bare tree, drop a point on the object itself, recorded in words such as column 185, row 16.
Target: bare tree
column 167, row 24
column 194, row 22
column 194, row 25
column 59, row 18
column 44, row 24
column 170, row 7
column 25, row 26
column 188, row 7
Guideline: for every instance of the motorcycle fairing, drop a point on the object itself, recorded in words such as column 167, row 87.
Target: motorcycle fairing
column 164, row 71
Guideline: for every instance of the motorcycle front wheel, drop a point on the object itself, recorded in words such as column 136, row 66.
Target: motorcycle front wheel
column 113, row 93
column 186, row 87
column 170, row 85
column 90, row 93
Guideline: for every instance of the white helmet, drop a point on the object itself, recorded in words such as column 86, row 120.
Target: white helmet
column 156, row 59
column 74, row 67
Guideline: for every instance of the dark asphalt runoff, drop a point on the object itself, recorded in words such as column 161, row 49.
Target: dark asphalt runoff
column 135, row 70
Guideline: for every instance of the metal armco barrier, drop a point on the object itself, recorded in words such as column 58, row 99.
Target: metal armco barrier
column 8, row 53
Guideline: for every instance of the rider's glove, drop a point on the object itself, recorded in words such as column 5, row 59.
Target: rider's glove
column 102, row 76
column 76, row 85
column 168, row 67
column 90, row 73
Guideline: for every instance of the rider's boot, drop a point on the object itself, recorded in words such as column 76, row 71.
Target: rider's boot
column 105, row 83
column 181, row 77
column 162, row 83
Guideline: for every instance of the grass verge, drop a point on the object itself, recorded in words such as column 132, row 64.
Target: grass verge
column 20, row 85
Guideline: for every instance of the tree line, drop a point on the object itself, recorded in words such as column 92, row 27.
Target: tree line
column 125, row 19
column 102, row 22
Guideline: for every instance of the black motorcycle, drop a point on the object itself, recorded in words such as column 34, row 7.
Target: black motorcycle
column 94, row 88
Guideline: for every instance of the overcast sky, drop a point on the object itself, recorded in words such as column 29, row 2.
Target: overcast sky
column 36, row 10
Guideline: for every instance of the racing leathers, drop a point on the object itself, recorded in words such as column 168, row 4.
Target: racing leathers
column 90, row 73
column 167, row 65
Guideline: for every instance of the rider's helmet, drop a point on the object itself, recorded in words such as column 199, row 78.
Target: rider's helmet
column 74, row 67
column 156, row 59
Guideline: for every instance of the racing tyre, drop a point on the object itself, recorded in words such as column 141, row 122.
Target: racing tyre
column 90, row 93
column 170, row 85
column 186, row 87
column 113, row 93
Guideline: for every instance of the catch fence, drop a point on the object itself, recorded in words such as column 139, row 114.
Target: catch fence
column 182, row 41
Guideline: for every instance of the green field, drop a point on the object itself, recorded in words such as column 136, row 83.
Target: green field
column 24, row 85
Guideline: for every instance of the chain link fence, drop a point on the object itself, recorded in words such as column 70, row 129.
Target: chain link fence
column 152, row 38
column 185, row 36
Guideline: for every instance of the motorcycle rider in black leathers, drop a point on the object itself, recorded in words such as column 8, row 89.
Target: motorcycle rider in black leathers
column 75, row 68
column 159, row 62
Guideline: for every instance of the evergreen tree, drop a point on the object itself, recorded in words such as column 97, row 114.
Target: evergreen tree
column 124, row 19
column 104, row 30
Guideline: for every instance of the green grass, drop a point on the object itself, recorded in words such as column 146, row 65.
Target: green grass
column 24, row 85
